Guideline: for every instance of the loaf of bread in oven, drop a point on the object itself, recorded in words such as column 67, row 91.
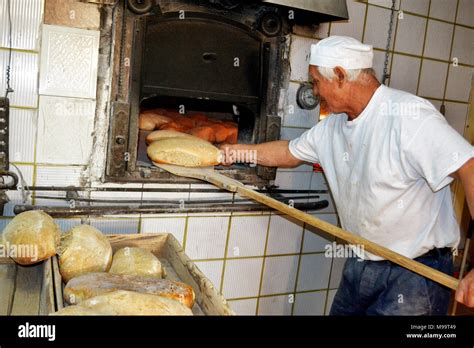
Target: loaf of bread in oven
column 150, row 120
column 34, row 235
column 83, row 249
column 164, row 134
column 184, row 152
column 92, row 284
column 136, row 261
column 80, row 310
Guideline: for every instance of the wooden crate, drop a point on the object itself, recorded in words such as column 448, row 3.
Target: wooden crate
column 27, row 290
column 177, row 265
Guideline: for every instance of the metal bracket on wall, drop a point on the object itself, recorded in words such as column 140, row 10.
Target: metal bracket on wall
column 4, row 124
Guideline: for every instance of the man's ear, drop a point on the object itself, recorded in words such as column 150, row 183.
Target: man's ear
column 341, row 75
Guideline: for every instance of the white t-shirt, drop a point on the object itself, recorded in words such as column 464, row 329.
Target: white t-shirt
column 388, row 171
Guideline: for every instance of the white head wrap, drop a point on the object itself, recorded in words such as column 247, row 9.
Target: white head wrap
column 342, row 51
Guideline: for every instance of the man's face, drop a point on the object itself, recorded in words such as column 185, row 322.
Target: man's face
column 329, row 92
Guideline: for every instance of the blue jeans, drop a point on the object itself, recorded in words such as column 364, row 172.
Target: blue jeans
column 384, row 288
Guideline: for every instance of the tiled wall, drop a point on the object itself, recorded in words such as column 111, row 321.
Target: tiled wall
column 263, row 263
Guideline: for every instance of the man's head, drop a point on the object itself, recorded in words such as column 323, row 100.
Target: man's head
column 341, row 69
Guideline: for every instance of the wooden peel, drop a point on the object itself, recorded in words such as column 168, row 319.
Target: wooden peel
column 210, row 175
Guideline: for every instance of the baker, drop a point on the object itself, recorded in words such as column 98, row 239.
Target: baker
column 389, row 157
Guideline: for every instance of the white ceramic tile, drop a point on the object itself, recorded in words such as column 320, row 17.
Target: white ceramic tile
column 408, row 28
column 436, row 103
column 318, row 182
column 415, row 6
column 23, row 171
column 463, row 45
column 314, row 272
column 22, row 135
column 432, row 79
column 296, row 116
column 316, row 242
column 336, row 271
column 310, row 303
column 330, row 299
column 443, row 9
column 23, row 78
column 456, row 115
column 438, row 40
column 284, row 236
column 244, row 307
column 67, row 224
column 385, row 3
column 405, row 71
column 354, row 26
column 26, row 17
column 459, row 83
column 299, row 57
column 242, row 278
column 212, row 270
column 247, row 236
column 465, row 11
column 275, row 305
column 175, row 226
column 58, row 176
column 378, row 63
column 279, row 274
column 65, row 127
column 293, row 180
column 69, row 59
column 376, row 27
column 115, row 226
column 19, row 196
column 184, row 194
column 206, row 237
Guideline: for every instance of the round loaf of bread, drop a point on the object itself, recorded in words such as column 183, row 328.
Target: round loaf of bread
column 136, row 261
column 184, row 152
column 165, row 134
column 83, row 249
column 33, row 235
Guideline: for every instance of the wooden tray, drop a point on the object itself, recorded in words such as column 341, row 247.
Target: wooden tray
column 177, row 266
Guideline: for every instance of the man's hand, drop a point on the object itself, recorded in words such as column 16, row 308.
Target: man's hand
column 227, row 150
column 465, row 291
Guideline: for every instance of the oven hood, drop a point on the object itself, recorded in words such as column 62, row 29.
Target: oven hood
column 322, row 10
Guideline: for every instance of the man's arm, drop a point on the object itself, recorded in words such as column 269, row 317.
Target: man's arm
column 465, row 291
column 270, row 154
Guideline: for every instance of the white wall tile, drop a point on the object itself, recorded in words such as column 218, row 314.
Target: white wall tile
column 459, row 83
column 355, row 25
column 26, row 17
column 58, row 176
column 23, row 78
column 405, row 71
column 443, row 9
column 438, row 40
column 314, row 272
column 385, row 3
column 115, row 226
column 247, row 236
column 175, row 226
column 465, row 11
column 330, row 299
column 296, row 116
column 456, row 115
column 275, row 305
column 242, row 278
column 433, row 79
column 279, row 274
column 244, row 307
column 284, row 236
column 293, row 180
column 376, row 27
column 408, row 28
column 22, row 135
column 19, row 196
column 378, row 63
column 299, row 57
column 316, row 242
column 65, row 127
column 206, row 237
column 463, row 45
column 310, row 303
column 69, row 59
column 184, row 194
column 212, row 270
column 336, row 271
column 436, row 103
column 415, row 6
column 318, row 182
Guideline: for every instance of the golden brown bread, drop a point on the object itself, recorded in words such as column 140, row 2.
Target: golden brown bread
column 184, row 152
column 164, row 134
column 83, row 249
column 89, row 285
column 203, row 132
column 80, row 310
column 136, row 261
column 35, row 236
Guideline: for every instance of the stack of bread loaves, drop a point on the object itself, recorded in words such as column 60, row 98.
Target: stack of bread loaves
column 98, row 282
